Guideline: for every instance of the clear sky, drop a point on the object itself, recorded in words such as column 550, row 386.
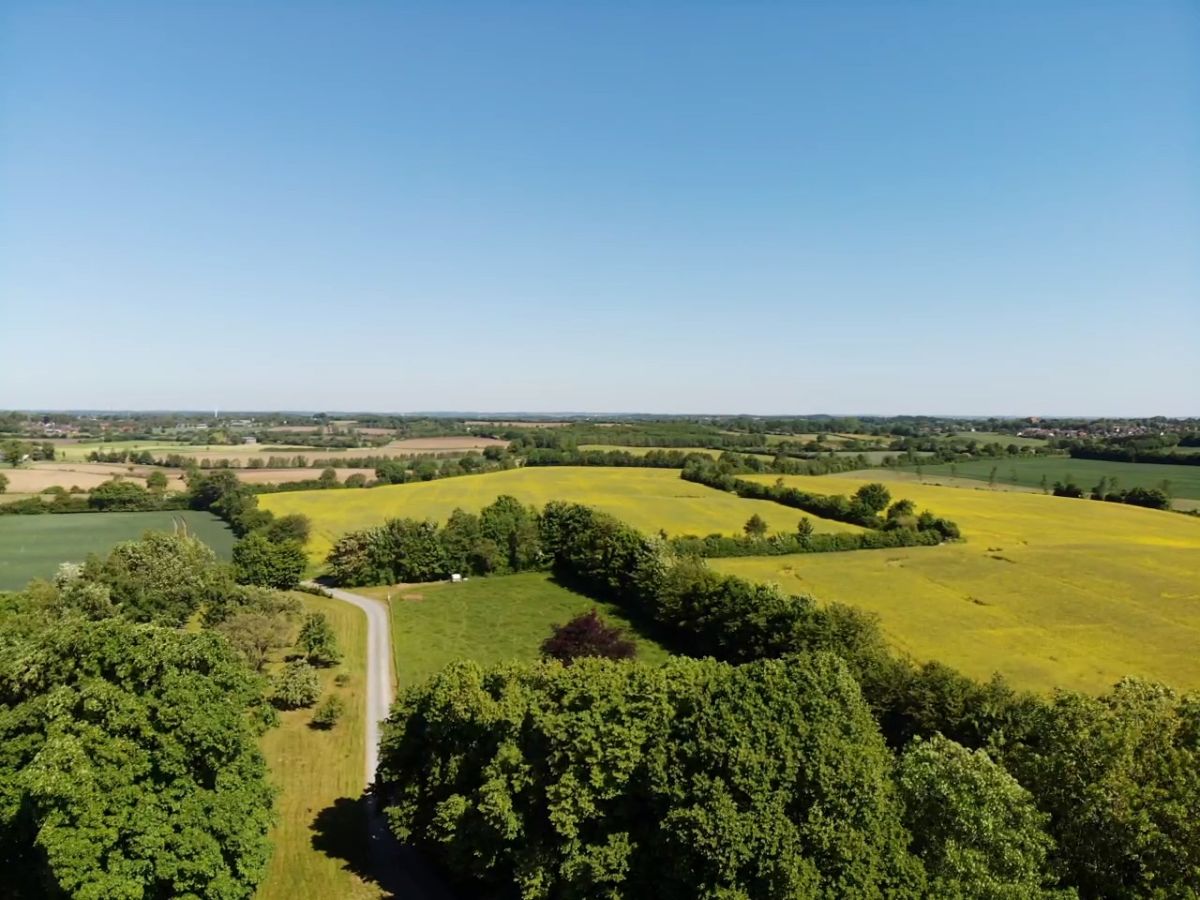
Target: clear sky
column 778, row 207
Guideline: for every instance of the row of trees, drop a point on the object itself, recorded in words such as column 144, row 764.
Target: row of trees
column 503, row 537
column 1150, row 498
column 772, row 778
column 864, row 508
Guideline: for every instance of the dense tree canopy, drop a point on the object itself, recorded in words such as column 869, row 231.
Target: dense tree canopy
column 129, row 765
column 696, row 779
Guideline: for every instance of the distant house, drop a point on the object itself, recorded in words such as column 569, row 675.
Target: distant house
column 250, row 440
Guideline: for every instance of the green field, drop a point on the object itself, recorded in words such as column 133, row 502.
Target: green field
column 648, row 499
column 314, row 770
column 33, row 546
column 996, row 437
column 1184, row 481
column 1048, row 590
column 489, row 620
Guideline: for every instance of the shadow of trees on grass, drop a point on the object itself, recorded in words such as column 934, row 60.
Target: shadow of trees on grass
column 350, row 830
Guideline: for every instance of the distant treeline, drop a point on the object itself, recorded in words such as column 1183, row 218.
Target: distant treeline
column 1131, row 454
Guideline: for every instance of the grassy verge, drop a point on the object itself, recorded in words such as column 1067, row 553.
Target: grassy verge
column 489, row 620
column 319, row 775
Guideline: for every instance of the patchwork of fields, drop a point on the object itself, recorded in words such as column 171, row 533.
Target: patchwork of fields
column 1183, row 481
column 33, row 546
column 648, row 499
column 78, row 452
column 1048, row 590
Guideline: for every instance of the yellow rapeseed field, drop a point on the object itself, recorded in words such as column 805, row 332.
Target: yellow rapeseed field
column 648, row 499
column 1047, row 590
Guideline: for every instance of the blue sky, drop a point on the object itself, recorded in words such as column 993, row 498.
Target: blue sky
column 950, row 208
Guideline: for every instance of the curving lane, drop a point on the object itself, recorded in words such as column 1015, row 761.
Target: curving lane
column 399, row 870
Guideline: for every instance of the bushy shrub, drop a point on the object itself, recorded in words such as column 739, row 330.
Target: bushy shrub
column 295, row 686
column 329, row 712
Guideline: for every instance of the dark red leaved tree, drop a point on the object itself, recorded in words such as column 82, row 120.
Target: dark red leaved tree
column 587, row 635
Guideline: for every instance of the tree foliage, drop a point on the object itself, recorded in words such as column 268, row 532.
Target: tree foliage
column 695, row 779
column 318, row 640
column 296, row 685
column 978, row 832
column 129, row 765
column 259, row 560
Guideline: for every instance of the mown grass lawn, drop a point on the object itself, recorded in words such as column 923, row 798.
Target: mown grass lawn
column 489, row 620
column 321, row 770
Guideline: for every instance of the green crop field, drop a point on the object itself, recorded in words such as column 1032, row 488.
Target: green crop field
column 995, row 437
column 33, row 546
column 1183, row 481
column 320, row 770
column 489, row 620
column 649, row 499
column 1049, row 591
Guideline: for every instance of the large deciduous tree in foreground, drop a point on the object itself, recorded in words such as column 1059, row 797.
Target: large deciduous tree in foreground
column 129, row 765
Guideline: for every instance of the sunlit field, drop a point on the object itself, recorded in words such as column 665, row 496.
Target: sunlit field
column 489, row 620
column 1048, row 590
column 648, row 499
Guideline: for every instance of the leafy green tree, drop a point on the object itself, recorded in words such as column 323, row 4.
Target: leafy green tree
column 295, row 686
column 257, row 560
column 318, row 640
column 255, row 635
column 355, row 559
column 115, row 494
column 356, row 480
column 293, row 527
column 977, row 831
column 410, row 550
column 461, row 536
column 755, row 527
column 3, row 482
column 156, row 482
column 129, row 765
column 805, row 529
column 328, row 477
column 873, row 496
column 608, row 779
column 1119, row 776
column 161, row 578
column 14, row 451
column 329, row 712
column 514, row 530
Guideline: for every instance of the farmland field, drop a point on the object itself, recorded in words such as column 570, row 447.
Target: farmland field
column 489, row 620
column 995, row 437
column 244, row 452
column 1047, row 590
column 33, row 546
column 649, row 499
column 314, row 770
column 1184, row 480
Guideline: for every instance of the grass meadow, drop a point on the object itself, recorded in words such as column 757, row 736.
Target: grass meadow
column 648, row 499
column 1184, row 481
column 489, row 620
column 33, row 546
column 1047, row 590
column 316, row 770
